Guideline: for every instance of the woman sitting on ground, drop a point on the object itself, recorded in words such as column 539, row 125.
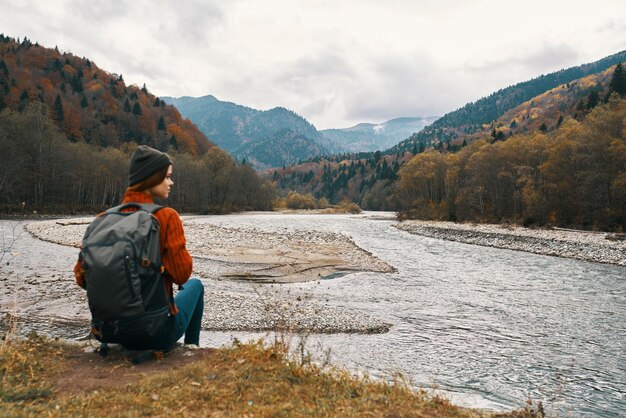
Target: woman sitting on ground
column 150, row 177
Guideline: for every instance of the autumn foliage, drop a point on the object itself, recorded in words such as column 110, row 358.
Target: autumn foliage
column 89, row 104
column 41, row 170
column 68, row 128
column 573, row 176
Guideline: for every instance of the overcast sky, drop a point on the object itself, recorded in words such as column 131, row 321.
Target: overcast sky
column 337, row 63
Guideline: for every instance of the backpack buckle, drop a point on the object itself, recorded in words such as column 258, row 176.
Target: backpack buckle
column 145, row 262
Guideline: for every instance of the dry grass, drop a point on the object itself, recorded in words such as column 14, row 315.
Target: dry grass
column 25, row 366
column 253, row 380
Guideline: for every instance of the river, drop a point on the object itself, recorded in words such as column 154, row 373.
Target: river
column 487, row 327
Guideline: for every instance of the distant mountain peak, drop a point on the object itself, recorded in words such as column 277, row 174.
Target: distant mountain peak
column 243, row 131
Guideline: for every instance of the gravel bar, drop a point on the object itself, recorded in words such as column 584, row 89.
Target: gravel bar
column 598, row 247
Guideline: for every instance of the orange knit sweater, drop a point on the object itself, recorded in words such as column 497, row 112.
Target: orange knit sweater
column 174, row 256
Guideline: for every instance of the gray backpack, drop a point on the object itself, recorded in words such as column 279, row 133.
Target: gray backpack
column 127, row 296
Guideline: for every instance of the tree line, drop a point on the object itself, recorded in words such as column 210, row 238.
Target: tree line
column 41, row 170
column 364, row 181
column 573, row 176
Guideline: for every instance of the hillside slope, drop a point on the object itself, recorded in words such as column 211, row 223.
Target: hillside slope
column 370, row 179
column 239, row 129
column 471, row 117
column 68, row 128
column 89, row 104
column 250, row 134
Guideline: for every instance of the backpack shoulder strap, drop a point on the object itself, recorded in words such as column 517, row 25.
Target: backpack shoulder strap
column 151, row 207
column 148, row 207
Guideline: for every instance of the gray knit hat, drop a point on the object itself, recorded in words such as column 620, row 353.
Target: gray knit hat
column 144, row 162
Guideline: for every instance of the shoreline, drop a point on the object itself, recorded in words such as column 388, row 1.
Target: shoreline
column 249, row 274
column 591, row 246
column 249, row 277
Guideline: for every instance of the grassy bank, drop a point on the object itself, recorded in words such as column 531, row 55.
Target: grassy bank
column 40, row 377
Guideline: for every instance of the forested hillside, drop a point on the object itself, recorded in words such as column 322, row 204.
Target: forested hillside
column 572, row 176
column 278, row 137
column 284, row 147
column 471, row 117
column 365, row 179
column 262, row 138
column 67, row 129
column 452, row 180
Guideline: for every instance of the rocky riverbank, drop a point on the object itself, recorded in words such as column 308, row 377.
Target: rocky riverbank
column 597, row 247
column 236, row 265
column 246, row 253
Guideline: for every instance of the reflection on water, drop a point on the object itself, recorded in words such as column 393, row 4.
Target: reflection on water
column 495, row 327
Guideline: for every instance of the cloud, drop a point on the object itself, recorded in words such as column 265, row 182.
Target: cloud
column 336, row 63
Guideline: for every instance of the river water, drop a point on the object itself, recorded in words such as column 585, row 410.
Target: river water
column 488, row 327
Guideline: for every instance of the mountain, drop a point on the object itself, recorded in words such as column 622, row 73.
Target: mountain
column 546, row 111
column 371, row 137
column 89, row 104
column 570, row 175
column 68, row 128
column 240, row 129
column 250, row 133
column 370, row 179
column 471, row 117
column 280, row 149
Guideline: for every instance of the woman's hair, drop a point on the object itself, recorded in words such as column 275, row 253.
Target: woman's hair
column 154, row 179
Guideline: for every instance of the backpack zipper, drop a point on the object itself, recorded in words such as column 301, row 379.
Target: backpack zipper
column 128, row 276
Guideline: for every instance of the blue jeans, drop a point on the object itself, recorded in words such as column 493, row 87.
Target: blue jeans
column 190, row 303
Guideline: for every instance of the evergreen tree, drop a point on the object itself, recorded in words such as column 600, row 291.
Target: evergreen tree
column 618, row 80
column 58, row 110
column 77, row 85
column 126, row 106
column 84, row 102
column 4, row 68
column 593, row 99
column 161, row 125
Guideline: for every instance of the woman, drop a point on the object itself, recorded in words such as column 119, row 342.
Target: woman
column 150, row 177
